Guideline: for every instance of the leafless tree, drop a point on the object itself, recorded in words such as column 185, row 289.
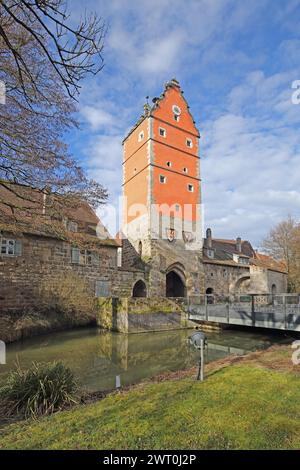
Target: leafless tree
column 283, row 244
column 72, row 51
column 43, row 59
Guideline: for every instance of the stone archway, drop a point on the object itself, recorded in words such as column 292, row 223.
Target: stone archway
column 242, row 285
column 210, row 295
column 139, row 289
column 175, row 282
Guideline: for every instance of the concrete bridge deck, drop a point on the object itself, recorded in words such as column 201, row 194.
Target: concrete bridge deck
column 280, row 312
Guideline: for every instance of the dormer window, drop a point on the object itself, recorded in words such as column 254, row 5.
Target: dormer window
column 210, row 253
column 162, row 132
column 141, row 136
column 243, row 260
column 189, row 143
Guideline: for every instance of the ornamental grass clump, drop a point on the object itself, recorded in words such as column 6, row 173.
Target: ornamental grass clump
column 40, row 390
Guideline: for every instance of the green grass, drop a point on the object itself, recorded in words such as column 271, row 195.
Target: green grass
column 241, row 406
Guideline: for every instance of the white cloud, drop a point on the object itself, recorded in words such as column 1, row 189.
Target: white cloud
column 97, row 118
column 252, row 159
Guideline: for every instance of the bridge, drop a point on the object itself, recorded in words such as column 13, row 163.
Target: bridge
column 280, row 312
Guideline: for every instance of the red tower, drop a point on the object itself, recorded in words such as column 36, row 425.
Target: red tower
column 162, row 194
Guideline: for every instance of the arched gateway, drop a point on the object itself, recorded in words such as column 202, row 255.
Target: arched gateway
column 175, row 284
column 139, row 289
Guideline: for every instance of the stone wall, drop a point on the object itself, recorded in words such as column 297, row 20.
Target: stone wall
column 132, row 315
column 279, row 280
column 263, row 279
column 223, row 278
column 167, row 256
column 227, row 279
column 42, row 259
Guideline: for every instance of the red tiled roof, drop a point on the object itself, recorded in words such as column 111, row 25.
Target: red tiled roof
column 265, row 261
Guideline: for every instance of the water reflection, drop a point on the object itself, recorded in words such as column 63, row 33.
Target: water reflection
column 99, row 357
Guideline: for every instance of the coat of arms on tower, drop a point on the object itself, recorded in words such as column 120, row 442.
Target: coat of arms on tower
column 171, row 234
column 188, row 237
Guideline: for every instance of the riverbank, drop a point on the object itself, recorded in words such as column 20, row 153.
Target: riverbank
column 19, row 326
column 249, row 402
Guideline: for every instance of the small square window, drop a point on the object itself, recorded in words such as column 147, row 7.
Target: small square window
column 162, row 132
column 169, row 164
column 185, row 170
column 191, row 188
column 162, row 179
column 141, row 136
column 189, row 143
column 8, row 247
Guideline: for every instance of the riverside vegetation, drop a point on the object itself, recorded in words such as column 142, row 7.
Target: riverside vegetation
column 249, row 402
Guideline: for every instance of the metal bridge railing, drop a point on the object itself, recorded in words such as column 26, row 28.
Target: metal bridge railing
column 280, row 311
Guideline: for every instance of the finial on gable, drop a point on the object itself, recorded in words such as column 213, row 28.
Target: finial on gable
column 173, row 82
column 147, row 108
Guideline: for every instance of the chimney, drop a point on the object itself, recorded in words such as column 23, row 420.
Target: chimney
column 208, row 238
column 239, row 244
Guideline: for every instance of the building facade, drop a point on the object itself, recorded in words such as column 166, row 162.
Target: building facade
column 233, row 267
column 33, row 255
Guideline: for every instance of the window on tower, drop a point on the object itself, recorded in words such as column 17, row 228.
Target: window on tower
column 189, row 143
column 141, row 136
column 185, row 170
column 162, row 179
column 176, row 118
column 162, row 132
column 169, row 164
column 191, row 188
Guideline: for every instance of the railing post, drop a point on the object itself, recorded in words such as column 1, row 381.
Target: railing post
column 206, row 309
column 253, row 309
column 284, row 307
column 228, row 310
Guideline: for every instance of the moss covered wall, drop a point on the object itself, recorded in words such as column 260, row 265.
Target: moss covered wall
column 129, row 315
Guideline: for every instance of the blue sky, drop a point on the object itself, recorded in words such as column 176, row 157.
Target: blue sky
column 236, row 62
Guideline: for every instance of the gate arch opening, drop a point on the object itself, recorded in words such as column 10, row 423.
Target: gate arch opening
column 175, row 285
column 242, row 285
column 210, row 295
column 139, row 289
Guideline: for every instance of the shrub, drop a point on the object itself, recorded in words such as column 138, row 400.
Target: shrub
column 42, row 389
column 67, row 295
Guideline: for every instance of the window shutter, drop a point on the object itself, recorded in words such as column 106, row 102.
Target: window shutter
column 102, row 288
column 75, row 255
column 18, row 248
column 94, row 258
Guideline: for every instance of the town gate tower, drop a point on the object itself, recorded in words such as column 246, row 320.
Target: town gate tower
column 162, row 195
